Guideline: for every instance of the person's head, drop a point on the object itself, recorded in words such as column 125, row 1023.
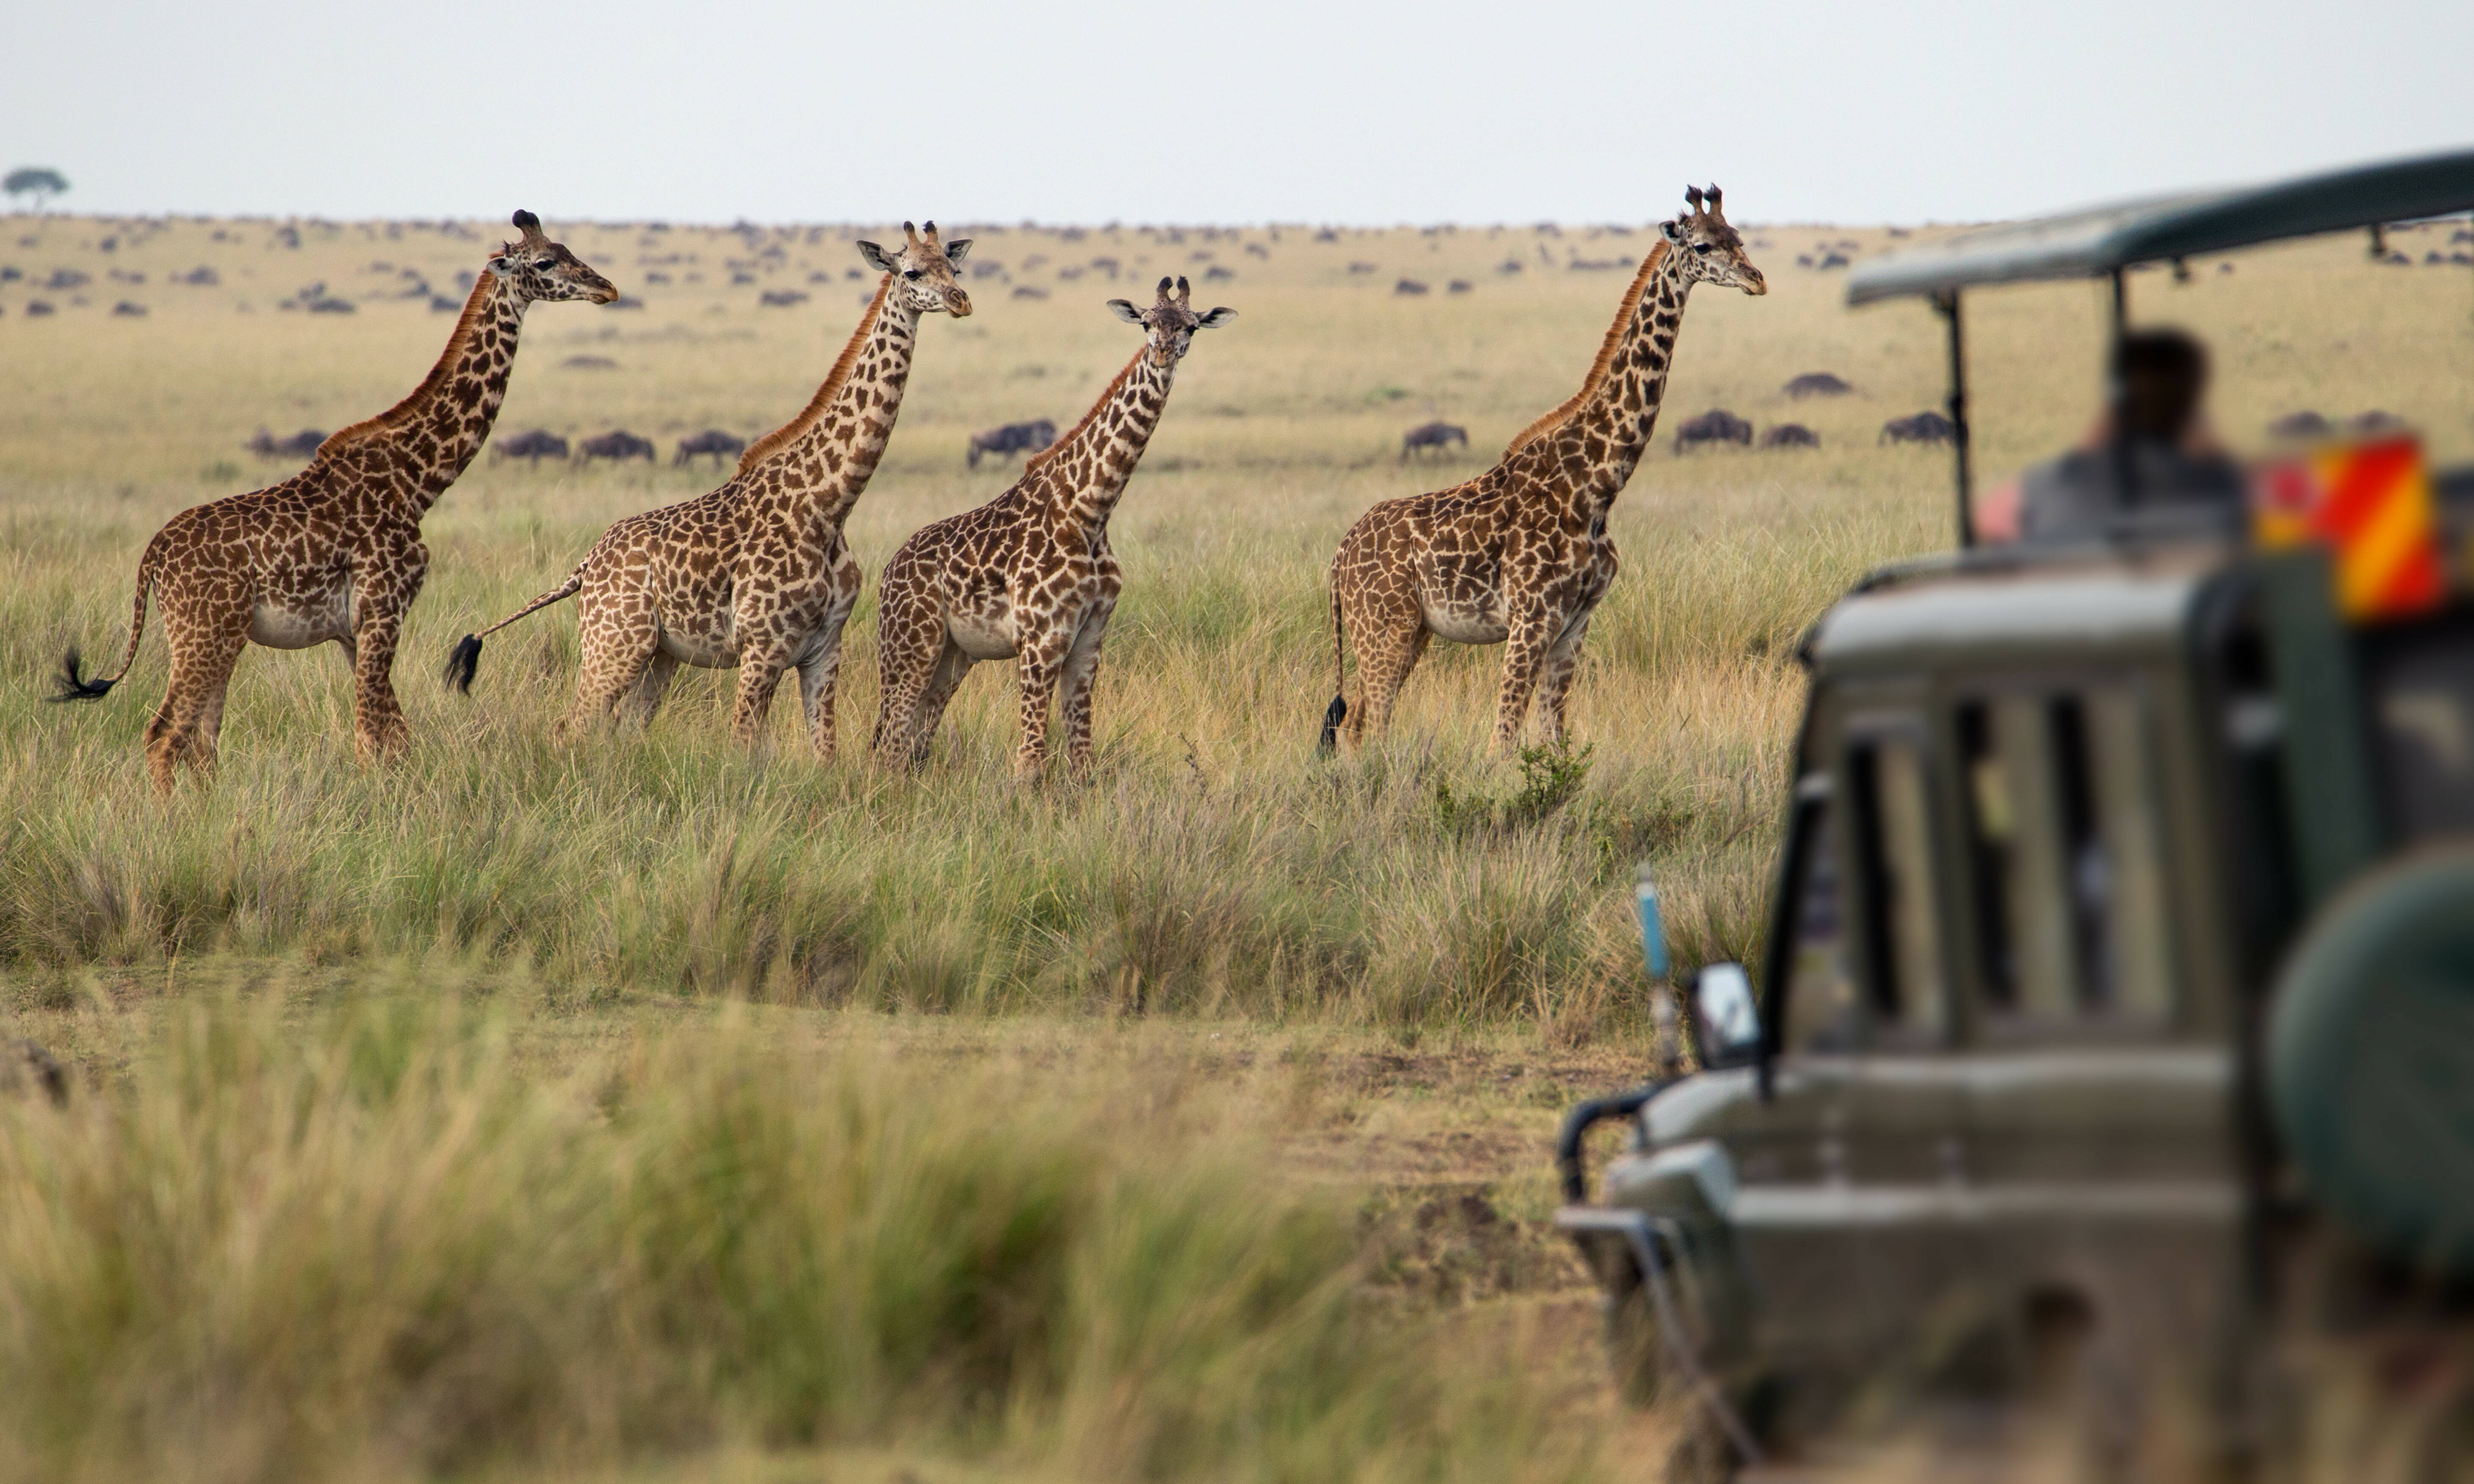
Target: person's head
column 2159, row 377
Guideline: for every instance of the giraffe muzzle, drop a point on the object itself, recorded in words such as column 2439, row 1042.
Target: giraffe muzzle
column 958, row 303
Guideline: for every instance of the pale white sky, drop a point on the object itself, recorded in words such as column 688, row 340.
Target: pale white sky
column 1326, row 111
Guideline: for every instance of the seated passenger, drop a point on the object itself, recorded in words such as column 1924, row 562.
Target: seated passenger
column 2161, row 472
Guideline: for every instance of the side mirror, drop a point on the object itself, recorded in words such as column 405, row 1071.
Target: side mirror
column 1726, row 1017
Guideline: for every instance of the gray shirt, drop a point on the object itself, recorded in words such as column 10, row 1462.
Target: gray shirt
column 2080, row 495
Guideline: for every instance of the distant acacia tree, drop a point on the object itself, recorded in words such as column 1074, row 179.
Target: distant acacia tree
column 36, row 180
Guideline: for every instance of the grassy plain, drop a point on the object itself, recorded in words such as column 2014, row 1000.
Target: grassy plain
column 673, row 963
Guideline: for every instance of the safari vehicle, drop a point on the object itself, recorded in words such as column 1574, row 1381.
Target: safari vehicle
column 2118, row 989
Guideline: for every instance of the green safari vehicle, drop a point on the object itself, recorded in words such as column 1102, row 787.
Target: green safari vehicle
column 2118, row 1002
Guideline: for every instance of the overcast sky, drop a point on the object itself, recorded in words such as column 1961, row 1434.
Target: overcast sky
column 1327, row 111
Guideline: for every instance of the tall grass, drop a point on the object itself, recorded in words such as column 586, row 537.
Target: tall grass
column 1213, row 864
column 378, row 1245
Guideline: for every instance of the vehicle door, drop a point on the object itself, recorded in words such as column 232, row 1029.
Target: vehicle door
column 2099, row 1116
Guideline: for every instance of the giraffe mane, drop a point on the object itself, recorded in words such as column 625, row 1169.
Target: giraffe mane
column 403, row 412
column 1048, row 455
column 774, row 442
column 1599, row 368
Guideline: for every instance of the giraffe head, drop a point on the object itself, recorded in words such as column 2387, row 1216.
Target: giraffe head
column 537, row 268
column 1171, row 321
column 924, row 271
column 1709, row 249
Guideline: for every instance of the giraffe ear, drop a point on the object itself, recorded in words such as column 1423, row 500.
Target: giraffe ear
column 1125, row 311
column 955, row 252
column 1671, row 232
column 1216, row 318
column 877, row 257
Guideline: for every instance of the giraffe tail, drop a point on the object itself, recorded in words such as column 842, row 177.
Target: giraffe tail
column 464, row 662
column 1337, row 711
column 74, row 686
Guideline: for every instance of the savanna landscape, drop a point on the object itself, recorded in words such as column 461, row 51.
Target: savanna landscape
column 639, row 1106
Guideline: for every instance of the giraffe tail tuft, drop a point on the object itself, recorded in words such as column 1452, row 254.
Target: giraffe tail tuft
column 1337, row 711
column 1332, row 716
column 75, row 687
column 464, row 663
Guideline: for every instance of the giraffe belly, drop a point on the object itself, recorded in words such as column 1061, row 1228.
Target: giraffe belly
column 704, row 649
column 297, row 625
column 983, row 636
column 1466, row 623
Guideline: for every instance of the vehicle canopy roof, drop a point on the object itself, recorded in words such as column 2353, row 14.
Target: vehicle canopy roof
column 2106, row 239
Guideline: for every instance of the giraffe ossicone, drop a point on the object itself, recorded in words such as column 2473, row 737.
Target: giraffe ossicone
column 334, row 555
column 1028, row 576
column 755, row 575
column 1520, row 556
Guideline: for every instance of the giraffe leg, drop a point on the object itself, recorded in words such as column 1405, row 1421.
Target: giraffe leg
column 387, row 585
column 1389, row 647
column 1524, row 653
column 644, row 698
column 1555, row 683
column 817, row 674
column 618, row 646
column 1043, row 659
column 186, row 725
column 952, row 664
column 909, row 637
column 379, row 733
column 1082, row 672
column 760, row 675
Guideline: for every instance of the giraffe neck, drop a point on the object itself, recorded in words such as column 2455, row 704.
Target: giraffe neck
column 1086, row 471
column 830, row 451
column 1591, row 444
column 428, row 440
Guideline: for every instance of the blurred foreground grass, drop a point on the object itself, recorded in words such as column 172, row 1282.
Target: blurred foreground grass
column 288, row 1231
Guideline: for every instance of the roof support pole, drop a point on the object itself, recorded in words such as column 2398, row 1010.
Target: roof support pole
column 2121, row 305
column 1947, row 302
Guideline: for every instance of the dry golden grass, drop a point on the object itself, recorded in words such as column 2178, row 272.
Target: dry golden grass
column 1333, row 888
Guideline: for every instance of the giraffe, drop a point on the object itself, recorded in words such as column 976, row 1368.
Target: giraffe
column 1520, row 556
column 756, row 574
column 334, row 555
column 1028, row 576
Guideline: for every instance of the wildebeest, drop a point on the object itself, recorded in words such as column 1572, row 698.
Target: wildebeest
column 1925, row 427
column 1432, row 435
column 721, row 445
column 1408, row 286
column 1790, row 435
column 1718, row 426
column 2305, row 424
column 1817, row 384
column 26, row 1067
column 534, row 446
column 300, row 446
column 618, row 445
column 1013, row 437
column 2373, row 421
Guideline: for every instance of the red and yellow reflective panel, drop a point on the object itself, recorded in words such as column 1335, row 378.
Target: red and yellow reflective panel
column 2370, row 504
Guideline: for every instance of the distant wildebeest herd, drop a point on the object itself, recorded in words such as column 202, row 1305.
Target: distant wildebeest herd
column 756, row 575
